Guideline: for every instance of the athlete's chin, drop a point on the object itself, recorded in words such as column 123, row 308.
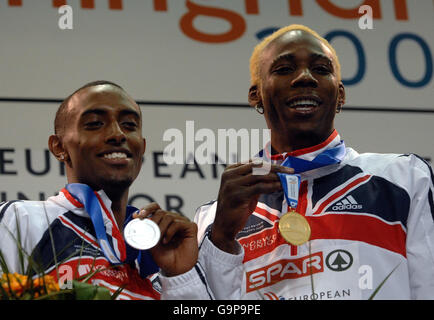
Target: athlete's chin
column 304, row 128
column 116, row 182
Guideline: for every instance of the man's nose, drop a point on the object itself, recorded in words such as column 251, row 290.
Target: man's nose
column 115, row 134
column 304, row 78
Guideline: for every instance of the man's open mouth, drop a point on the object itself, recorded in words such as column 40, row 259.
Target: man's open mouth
column 115, row 155
column 303, row 103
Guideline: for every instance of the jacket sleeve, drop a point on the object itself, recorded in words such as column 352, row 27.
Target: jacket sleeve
column 191, row 285
column 13, row 234
column 420, row 230
column 22, row 225
column 217, row 275
column 224, row 272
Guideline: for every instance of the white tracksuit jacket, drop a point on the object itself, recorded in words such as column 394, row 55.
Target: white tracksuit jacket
column 76, row 247
column 368, row 215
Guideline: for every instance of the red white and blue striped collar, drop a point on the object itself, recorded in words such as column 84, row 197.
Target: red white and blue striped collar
column 66, row 200
column 308, row 153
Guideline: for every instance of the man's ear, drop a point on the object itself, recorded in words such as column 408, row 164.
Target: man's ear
column 340, row 101
column 56, row 147
column 254, row 96
column 144, row 149
column 341, row 94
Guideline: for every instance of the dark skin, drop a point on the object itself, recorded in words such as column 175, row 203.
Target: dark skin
column 294, row 68
column 102, row 146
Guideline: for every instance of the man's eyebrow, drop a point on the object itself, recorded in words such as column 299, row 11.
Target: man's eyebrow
column 285, row 56
column 101, row 111
column 291, row 57
column 317, row 56
column 127, row 112
column 93, row 111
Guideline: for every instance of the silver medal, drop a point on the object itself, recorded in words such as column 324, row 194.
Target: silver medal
column 142, row 234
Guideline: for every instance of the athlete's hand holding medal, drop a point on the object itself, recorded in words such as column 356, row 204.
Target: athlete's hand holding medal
column 240, row 189
column 239, row 192
column 171, row 238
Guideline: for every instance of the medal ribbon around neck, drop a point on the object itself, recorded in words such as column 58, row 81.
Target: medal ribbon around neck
column 325, row 158
column 84, row 194
column 293, row 227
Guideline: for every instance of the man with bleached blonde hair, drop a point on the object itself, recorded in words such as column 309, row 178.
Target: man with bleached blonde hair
column 259, row 48
column 326, row 222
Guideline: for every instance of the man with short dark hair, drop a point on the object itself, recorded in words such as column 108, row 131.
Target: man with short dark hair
column 98, row 136
column 337, row 224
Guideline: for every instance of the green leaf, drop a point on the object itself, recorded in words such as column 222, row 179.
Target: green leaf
column 3, row 264
column 102, row 294
column 27, row 296
column 64, row 294
column 86, row 291
column 381, row 284
column 3, row 294
column 117, row 292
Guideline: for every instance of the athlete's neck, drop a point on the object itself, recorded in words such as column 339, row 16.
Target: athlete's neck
column 119, row 206
column 289, row 143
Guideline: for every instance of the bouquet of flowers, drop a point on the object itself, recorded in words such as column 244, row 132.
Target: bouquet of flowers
column 15, row 286
column 34, row 284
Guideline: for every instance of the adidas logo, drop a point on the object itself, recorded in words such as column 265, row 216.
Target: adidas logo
column 348, row 203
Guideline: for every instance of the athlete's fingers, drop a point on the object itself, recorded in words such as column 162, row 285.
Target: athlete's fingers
column 177, row 227
column 252, row 179
column 146, row 211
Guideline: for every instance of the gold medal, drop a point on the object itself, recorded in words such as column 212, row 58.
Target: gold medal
column 294, row 228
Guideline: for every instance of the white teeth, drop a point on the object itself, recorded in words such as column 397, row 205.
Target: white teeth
column 303, row 108
column 115, row 155
column 304, row 102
